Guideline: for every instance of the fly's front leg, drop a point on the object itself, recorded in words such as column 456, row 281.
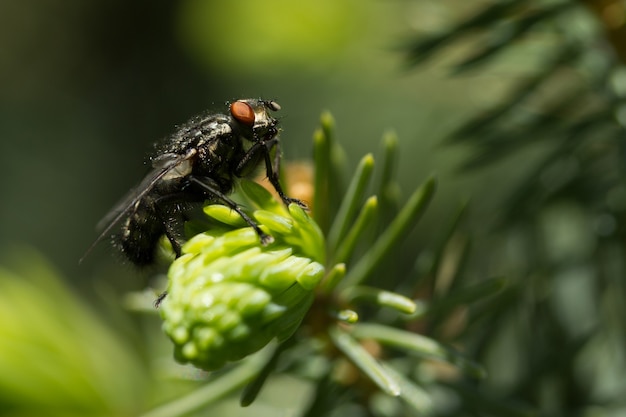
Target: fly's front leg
column 208, row 186
column 271, row 168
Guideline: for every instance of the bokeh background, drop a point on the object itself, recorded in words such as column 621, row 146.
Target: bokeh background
column 88, row 87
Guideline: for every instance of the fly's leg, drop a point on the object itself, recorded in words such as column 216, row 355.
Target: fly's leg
column 172, row 236
column 207, row 185
column 160, row 298
column 172, row 219
column 271, row 168
column 169, row 221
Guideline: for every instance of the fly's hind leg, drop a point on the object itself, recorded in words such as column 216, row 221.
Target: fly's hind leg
column 170, row 222
column 159, row 300
column 172, row 219
column 208, row 186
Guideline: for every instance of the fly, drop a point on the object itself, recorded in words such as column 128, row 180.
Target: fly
column 200, row 161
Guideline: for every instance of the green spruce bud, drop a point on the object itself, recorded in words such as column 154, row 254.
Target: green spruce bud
column 229, row 296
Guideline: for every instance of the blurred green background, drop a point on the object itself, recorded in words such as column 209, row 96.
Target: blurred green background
column 88, row 87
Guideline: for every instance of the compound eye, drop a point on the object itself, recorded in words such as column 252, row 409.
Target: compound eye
column 242, row 112
column 272, row 105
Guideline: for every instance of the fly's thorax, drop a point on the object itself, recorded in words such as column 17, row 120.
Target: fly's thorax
column 197, row 132
column 219, row 156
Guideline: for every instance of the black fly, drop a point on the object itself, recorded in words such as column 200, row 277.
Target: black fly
column 199, row 161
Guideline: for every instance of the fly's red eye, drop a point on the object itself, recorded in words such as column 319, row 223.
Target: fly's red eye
column 242, row 112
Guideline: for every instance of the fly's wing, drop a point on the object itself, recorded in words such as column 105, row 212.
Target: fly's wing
column 161, row 167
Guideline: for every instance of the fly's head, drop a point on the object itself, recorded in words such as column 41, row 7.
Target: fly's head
column 253, row 115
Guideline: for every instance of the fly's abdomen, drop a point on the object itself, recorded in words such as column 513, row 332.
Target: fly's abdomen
column 140, row 236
